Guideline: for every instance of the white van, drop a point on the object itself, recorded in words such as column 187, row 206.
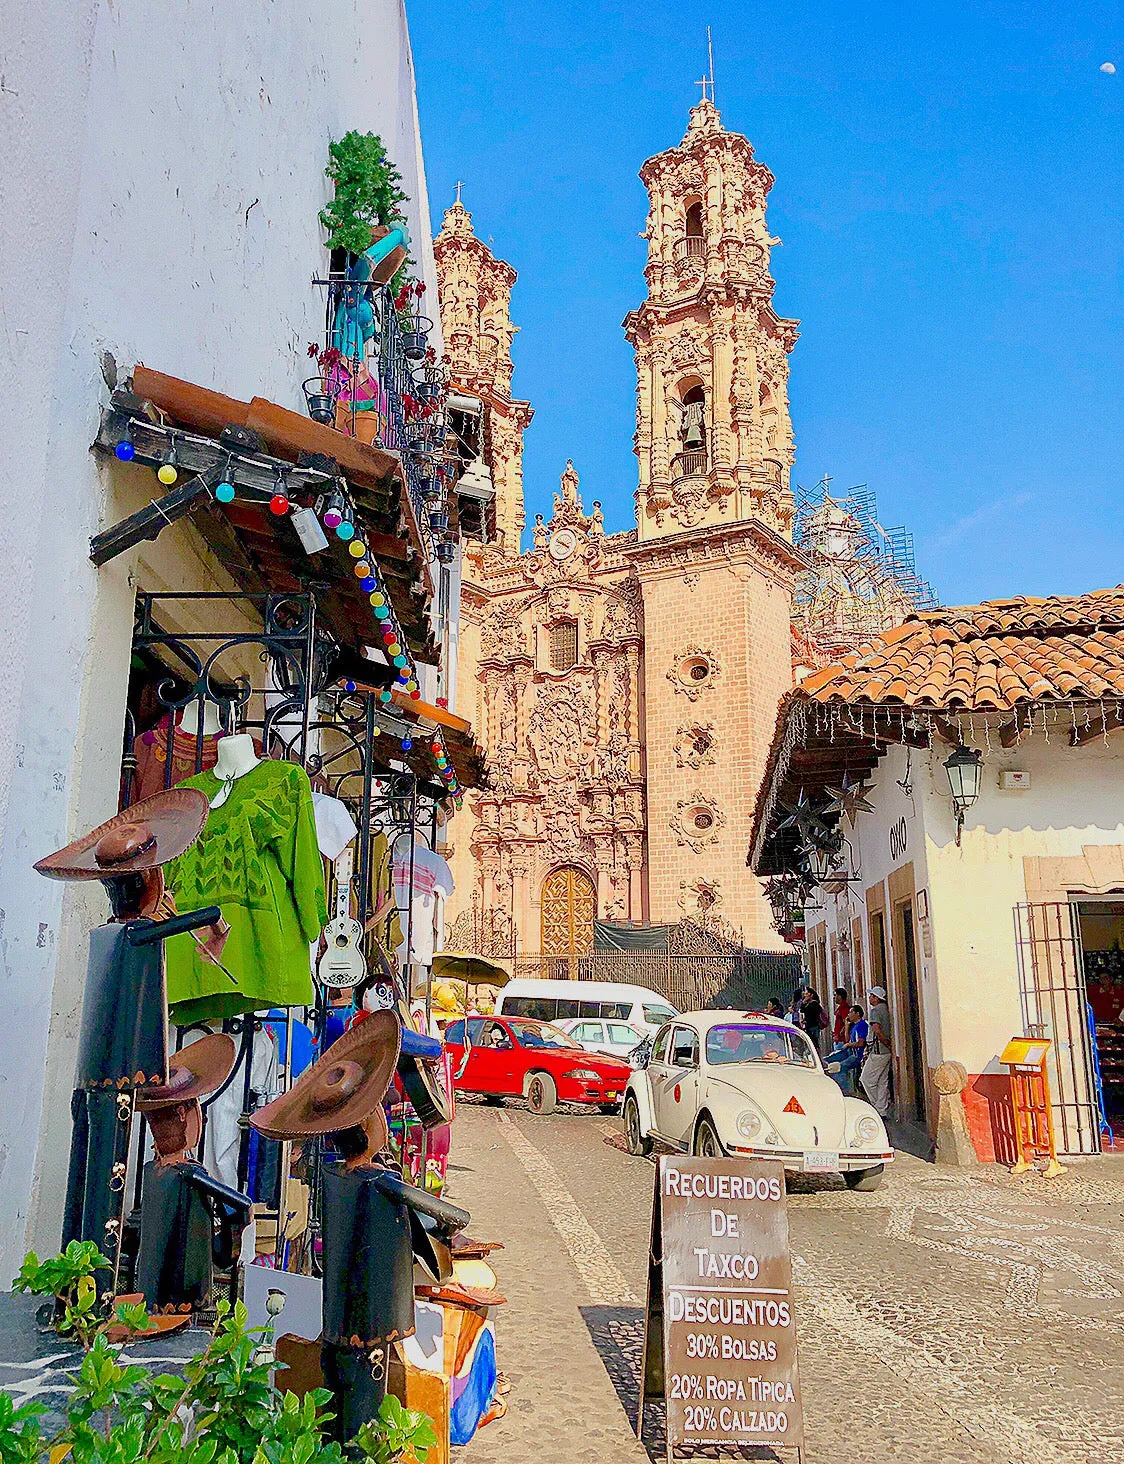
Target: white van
column 552, row 1001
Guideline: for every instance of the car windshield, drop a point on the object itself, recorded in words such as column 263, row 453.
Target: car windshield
column 541, row 1034
column 741, row 1042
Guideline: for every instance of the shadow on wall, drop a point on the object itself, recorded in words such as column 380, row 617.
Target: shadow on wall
column 991, row 1116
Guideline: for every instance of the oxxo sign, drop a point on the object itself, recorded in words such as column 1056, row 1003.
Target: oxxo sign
column 720, row 1341
column 899, row 839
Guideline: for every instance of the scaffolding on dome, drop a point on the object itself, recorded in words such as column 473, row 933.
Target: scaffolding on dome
column 863, row 577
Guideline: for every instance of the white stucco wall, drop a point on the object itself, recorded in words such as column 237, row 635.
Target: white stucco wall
column 970, row 985
column 164, row 169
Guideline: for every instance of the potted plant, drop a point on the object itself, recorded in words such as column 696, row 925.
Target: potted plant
column 366, row 191
column 321, row 392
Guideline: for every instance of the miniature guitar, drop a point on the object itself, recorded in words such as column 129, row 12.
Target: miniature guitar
column 342, row 963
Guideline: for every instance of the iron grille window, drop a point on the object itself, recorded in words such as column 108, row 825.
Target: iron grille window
column 564, row 645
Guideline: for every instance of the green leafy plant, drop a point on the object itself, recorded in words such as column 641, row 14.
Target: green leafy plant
column 367, row 191
column 397, row 1432
column 225, row 1408
column 69, row 1278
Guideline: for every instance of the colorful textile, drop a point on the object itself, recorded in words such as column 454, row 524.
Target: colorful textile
column 473, row 1387
column 258, row 860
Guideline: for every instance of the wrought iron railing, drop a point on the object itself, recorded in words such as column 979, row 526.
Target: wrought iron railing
column 690, row 982
column 690, row 464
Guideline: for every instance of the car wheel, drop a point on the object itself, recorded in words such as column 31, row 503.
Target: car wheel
column 638, row 1142
column 864, row 1180
column 542, row 1095
column 707, row 1143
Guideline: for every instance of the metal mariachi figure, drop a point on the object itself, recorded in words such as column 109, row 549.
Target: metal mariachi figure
column 180, row 1201
column 123, row 1044
column 374, row 1224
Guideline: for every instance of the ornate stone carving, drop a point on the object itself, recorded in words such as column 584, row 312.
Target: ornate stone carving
column 694, row 745
column 502, row 636
column 622, row 611
column 561, row 726
column 697, row 822
column 693, row 671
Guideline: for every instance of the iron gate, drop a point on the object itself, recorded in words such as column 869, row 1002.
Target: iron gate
column 1054, row 1005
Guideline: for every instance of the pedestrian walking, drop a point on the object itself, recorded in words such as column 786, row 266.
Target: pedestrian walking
column 842, row 1015
column 846, row 1059
column 875, row 1079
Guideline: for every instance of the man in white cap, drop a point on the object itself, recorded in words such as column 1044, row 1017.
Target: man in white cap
column 875, row 1077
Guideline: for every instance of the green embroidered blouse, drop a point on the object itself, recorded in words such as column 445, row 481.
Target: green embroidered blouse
column 258, row 860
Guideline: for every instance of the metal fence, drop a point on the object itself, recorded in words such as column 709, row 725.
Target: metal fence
column 690, row 982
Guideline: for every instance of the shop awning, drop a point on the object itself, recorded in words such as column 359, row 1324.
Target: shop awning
column 262, row 551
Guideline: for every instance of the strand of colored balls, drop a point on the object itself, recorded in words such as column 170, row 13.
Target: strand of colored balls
column 370, row 581
column 445, row 768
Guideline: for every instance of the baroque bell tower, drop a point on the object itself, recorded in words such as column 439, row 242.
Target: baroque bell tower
column 475, row 301
column 713, row 433
column 714, row 555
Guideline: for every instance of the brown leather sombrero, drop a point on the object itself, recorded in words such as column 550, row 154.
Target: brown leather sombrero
column 342, row 1089
column 196, row 1071
column 140, row 838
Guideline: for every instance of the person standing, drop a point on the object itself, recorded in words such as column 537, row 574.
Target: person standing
column 875, row 1079
column 844, row 1062
column 812, row 1015
column 842, row 1015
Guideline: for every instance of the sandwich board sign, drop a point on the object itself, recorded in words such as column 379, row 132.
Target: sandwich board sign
column 720, row 1330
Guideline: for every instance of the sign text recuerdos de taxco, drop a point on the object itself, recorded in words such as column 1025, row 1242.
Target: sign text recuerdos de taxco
column 720, row 1344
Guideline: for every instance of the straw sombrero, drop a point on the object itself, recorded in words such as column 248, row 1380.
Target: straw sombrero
column 139, row 838
column 195, row 1071
column 343, row 1088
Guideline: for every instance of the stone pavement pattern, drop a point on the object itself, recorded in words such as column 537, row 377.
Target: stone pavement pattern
column 951, row 1316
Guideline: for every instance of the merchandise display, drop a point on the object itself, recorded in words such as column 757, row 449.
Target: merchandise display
column 258, row 859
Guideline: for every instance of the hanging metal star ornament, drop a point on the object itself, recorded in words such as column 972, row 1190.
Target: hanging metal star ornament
column 851, row 799
column 803, row 815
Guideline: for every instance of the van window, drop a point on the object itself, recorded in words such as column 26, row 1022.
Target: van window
column 621, row 1010
column 570, row 1008
column 654, row 1015
column 541, row 1008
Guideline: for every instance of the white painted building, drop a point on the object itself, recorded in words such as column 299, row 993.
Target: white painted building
column 1019, row 919
column 164, row 168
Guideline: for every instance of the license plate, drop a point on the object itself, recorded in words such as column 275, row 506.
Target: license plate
column 820, row 1159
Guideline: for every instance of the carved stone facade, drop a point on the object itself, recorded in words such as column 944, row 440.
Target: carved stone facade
column 625, row 686
column 475, row 302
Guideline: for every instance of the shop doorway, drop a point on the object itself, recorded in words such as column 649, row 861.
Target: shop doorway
column 905, row 963
column 1101, row 927
column 1053, row 989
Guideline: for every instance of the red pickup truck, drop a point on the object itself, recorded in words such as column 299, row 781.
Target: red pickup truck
column 511, row 1057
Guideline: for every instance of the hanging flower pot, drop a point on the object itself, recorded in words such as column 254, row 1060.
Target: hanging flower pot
column 438, row 520
column 415, row 337
column 428, row 391
column 446, row 553
column 320, row 398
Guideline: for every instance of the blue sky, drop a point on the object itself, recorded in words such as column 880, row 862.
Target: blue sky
column 949, row 193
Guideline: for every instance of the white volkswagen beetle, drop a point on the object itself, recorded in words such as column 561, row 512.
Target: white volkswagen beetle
column 734, row 1082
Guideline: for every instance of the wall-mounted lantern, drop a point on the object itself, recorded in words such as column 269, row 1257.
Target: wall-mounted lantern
column 965, row 775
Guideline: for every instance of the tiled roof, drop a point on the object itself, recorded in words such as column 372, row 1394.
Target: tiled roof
column 998, row 655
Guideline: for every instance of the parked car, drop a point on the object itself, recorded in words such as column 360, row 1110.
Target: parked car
column 614, row 1039
column 556, row 1001
column 503, row 1057
column 732, row 1082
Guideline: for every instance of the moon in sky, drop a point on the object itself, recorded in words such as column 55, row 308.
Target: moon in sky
column 1109, row 69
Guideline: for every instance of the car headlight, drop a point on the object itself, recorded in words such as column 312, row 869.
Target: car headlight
column 866, row 1130
column 584, row 1075
column 749, row 1124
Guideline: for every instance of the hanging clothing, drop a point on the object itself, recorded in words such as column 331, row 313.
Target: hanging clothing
column 432, row 883
column 223, row 1140
column 151, row 752
column 335, row 827
column 258, row 860
column 123, row 1041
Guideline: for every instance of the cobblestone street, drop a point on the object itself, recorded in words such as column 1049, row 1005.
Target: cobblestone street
column 951, row 1316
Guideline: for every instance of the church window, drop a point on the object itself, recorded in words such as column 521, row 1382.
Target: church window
column 703, row 819
column 695, row 241
column 695, row 670
column 701, row 741
column 563, row 645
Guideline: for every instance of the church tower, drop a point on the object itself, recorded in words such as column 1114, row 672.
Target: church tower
column 714, row 557
column 713, row 434
column 475, row 303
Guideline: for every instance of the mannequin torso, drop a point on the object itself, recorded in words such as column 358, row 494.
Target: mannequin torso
column 236, row 758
